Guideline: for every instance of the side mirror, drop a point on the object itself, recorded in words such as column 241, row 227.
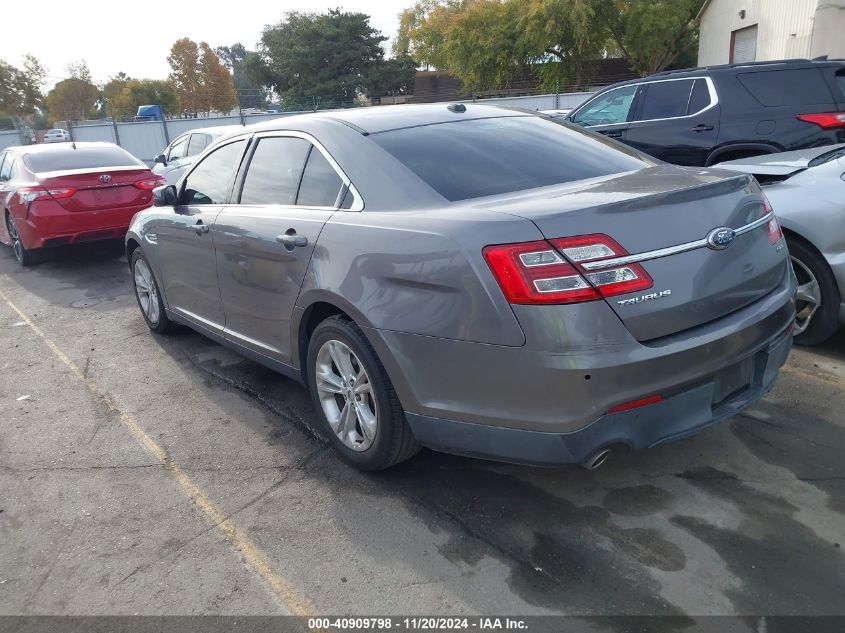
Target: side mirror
column 161, row 158
column 165, row 196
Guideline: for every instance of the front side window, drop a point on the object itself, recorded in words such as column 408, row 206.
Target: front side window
column 320, row 183
column 179, row 149
column 666, row 99
column 611, row 107
column 5, row 166
column 211, row 179
column 484, row 157
column 275, row 170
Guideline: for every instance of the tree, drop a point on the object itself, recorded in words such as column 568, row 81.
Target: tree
column 122, row 95
column 391, row 77
column 486, row 43
column 20, row 89
column 72, row 99
column 312, row 59
column 247, row 74
column 201, row 80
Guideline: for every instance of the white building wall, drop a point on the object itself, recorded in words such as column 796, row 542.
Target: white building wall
column 829, row 31
column 784, row 28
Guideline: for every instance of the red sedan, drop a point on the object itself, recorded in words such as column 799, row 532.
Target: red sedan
column 68, row 193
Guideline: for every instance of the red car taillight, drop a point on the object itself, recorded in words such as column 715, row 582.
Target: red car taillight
column 536, row 273
column 825, row 120
column 149, row 183
column 30, row 194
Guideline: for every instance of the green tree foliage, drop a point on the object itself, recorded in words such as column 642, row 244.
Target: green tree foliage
column 20, row 88
column 74, row 98
column 393, row 76
column 122, row 95
column 202, row 82
column 247, row 73
column 314, row 60
column 486, row 43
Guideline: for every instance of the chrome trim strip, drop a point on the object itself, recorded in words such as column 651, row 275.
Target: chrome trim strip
column 670, row 250
column 199, row 319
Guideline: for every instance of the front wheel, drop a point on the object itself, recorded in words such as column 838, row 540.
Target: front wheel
column 25, row 256
column 355, row 399
column 148, row 294
column 817, row 300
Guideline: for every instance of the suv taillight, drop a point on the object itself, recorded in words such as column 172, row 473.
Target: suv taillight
column 553, row 272
column 825, row 120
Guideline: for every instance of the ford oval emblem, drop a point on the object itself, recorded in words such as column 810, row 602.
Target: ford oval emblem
column 719, row 239
column 105, row 178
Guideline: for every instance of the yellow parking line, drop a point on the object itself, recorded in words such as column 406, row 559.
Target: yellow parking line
column 253, row 556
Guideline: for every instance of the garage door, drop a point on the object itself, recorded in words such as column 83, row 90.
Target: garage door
column 744, row 45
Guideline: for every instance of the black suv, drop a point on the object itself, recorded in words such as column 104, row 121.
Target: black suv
column 703, row 116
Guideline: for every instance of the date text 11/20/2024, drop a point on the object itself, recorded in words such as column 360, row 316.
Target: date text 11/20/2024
column 416, row 624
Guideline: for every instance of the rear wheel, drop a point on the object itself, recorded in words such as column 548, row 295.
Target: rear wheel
column 148, row 294
column 25, row 256
column 355, row 399
column 817, row 300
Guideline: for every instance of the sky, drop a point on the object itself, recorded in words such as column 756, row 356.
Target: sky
column 135, row 37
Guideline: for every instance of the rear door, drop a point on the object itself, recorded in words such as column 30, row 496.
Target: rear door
column 264, row 243
column 185, row 247
column 676, row 120
column 609, row 112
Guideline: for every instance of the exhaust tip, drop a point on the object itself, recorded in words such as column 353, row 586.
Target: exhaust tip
column 597, row 459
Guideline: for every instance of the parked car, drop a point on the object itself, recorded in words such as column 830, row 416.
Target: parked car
column 807, row 190
column 703, row 116
column 474, row 279
column 180, row 154
column 56, row 135
column 66, row 194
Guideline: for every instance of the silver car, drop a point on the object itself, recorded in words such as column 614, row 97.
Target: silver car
column 474, row 279
column 172, row 163
column 807, row 189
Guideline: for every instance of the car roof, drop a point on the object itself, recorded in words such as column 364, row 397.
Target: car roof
column 51, row 147
column 218, row 130
column 372, row 120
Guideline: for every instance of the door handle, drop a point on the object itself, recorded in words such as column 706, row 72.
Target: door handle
column 702, row 127
column 201, row 228
column 613, row 133
column 291, row 240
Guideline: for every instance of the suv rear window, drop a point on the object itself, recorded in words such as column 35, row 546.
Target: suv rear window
column 81, row 158
column 485, row 157
column 799, row 86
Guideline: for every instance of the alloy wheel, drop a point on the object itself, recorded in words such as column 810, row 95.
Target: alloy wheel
column 12, row 230
column 146, row 290
column 808, row 298
column 346, row 395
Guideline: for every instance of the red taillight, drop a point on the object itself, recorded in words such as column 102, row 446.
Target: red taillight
column 149, row 183
column 636, row 404
column 825, row 120
column 554, row 272
column 534, row 273
column 774, row 230
column 30, row 194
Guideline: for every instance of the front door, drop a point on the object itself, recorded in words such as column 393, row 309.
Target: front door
column 608, row 113
column 186, row 241
column 265, row 241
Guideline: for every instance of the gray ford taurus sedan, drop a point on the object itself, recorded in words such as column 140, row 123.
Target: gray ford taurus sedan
column 474, row 279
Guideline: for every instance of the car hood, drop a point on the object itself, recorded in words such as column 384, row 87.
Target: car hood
column 782, row 164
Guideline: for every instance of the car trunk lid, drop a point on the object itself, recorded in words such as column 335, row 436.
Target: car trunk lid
column 666, row 207
column 101, row 189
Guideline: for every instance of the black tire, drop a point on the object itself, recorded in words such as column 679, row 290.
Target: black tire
column 825, row 321
column 162, row 324
column 394, row 442
column 25, row 256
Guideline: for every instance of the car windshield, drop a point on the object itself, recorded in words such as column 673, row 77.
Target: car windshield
column 81, row 158
column 821, row 159
column 484, row 157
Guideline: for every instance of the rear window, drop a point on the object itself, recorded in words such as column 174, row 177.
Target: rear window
column 485, row 157
column 803, row 86
column 82, row 158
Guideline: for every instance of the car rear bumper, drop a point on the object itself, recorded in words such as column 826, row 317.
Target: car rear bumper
column 674, row 418
column 578, row 363
column 55, row 226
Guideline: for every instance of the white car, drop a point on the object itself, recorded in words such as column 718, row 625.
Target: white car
column 180, row 154
column 56, row 135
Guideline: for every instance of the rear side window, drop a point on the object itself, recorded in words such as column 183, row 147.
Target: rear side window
column 210, row 180
column 197, row 143
column 320, row 182
column 840, row 81
column 275, row 170
column 484, row 157
column 666, row 99
column 774, row 88
column 66, row 158
column 700, row 97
